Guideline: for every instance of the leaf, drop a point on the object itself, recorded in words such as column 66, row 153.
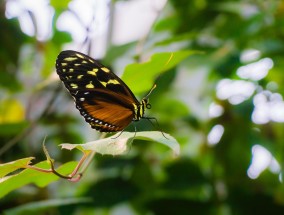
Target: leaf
column 113, row 145
column 29, row 176
column 62, row 4
column 11, row 111
column 116, row 145
column 140, row 76
column 186, row 37
column 45, row 206
column 7, row 168
column 10, row 129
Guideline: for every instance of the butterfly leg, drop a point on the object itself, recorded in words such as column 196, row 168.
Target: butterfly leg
column 118, row 134
column 153, row 118
column 135, row 131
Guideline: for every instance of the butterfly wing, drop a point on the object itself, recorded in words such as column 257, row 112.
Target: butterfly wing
column 102, row 98
column 104, row 111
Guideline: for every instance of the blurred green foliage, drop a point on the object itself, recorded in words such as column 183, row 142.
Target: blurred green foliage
column 206, row 178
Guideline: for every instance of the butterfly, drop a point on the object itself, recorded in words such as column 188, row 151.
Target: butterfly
column 102, row 98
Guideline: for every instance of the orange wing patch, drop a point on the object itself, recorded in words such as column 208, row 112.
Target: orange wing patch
column 105, row 116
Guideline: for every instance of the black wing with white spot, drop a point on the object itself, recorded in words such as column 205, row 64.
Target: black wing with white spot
column 79, row 71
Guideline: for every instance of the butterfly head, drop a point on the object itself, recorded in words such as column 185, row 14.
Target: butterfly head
column 140, row 109
column 145, row 102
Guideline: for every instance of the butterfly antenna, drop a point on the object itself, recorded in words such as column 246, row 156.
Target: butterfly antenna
column 148, row 94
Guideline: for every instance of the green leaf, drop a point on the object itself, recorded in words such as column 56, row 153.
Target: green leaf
column 116, row 145
column 10, row 82
column 29, row 176
column 187, row 37
column 140, row 76
column 115, row 52
column 167, row 24
column 42, row 206
column 9, row 129
column 7, row 168
column 62, row 4
column 167, row 111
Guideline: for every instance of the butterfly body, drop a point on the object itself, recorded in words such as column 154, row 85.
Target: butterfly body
column 102, row 98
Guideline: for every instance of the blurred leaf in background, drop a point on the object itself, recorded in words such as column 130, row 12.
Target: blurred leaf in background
column 222, row 100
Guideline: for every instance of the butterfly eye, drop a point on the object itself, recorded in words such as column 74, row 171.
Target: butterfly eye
column 148, row 106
